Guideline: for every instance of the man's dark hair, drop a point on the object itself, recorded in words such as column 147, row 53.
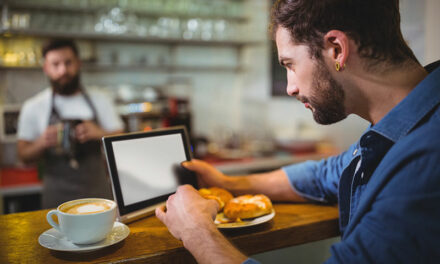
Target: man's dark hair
column 55, row 44
column 373, row 24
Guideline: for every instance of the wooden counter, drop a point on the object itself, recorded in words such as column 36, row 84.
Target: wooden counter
column 150, row 241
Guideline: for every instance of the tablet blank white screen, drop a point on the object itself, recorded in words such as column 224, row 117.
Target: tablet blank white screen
column 145, row 166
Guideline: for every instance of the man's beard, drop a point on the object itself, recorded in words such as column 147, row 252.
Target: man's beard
column 327, row 99
column 68, row 88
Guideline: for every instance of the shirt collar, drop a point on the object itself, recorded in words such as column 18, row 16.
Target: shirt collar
column 405, row 116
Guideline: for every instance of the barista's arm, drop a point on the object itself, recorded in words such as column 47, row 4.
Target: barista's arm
column 31, row 151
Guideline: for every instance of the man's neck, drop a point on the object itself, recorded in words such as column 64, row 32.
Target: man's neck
column 377, row 93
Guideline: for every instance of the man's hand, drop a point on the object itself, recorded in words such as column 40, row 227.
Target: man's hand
column 189, row 217
column 88, row 130
column 187, row 213
column 49, row 138
column 207, row 175
column 31, row 151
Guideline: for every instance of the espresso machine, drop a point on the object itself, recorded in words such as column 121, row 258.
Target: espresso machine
column 144, row 109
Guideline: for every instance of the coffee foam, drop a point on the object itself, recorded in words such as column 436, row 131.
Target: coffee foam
column 88, row 208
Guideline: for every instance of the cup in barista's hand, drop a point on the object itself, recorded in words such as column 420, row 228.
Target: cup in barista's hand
column 66, row 138
column 84, row 221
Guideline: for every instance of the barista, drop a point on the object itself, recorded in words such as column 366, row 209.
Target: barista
column 61, row 128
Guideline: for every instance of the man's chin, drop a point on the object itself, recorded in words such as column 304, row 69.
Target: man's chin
column 66, row 88
column 326, row 119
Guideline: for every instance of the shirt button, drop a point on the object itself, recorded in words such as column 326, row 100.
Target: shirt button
column 362, row 175
column 355, row 151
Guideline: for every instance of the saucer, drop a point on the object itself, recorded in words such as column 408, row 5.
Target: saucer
column 52, row 239
column 243, row 222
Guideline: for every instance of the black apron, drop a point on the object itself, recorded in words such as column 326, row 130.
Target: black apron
column 79, row 174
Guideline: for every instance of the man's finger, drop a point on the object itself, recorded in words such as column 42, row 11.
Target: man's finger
column 160, row 213
column 197, row 166
column 170, row 199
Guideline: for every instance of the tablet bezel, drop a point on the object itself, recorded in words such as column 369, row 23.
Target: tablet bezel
column 113, row 172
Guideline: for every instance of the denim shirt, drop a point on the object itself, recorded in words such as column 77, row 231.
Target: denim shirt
column 387, row 184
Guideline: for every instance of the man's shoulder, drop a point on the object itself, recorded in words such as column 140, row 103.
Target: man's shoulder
column 420, row 148
column 423, row 137
column 98, row 93
column 410, row 167
column 38, row 100
column 99, row 96
column 422, row 143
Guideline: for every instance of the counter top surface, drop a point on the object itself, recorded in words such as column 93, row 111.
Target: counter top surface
column 150, row 241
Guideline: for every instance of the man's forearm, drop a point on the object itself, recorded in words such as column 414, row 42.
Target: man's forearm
column 30, row 151
column 210, row 246
column 273, row 184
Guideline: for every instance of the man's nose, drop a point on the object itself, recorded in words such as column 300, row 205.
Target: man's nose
column 62, row 69
column 292, row 89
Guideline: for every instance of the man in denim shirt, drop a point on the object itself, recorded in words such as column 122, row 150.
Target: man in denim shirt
column 344, row 57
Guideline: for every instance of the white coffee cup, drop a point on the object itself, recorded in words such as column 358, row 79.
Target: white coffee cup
column 84, row 221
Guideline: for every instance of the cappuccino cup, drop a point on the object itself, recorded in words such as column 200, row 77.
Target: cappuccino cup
column 84, row 221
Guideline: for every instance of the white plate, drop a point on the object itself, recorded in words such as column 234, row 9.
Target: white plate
column 244, row 222
column 52, row 239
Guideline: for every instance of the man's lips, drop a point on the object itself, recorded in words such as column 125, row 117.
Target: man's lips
column 305, row 102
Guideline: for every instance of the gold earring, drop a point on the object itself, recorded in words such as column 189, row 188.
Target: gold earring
column 337, row 66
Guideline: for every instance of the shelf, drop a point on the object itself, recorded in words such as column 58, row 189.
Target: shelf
column 124, row 38
column 8, row 139
column 130, row 10
column 141, row 68
column 136, row 68
column 22, row 189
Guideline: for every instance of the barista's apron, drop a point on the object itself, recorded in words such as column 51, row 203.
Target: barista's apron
column 62, row 181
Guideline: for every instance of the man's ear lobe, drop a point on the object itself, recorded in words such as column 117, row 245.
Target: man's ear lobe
column 44, row 67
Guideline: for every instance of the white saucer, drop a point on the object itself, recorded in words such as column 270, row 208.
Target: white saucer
column 243, row 222
column 52, row 239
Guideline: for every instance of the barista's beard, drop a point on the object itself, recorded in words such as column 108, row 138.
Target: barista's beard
column 68, row 88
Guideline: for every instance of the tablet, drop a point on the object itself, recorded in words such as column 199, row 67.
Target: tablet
column 145, row 169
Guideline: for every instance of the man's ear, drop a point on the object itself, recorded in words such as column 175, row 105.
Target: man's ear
column 44, row 66
column 336, row 47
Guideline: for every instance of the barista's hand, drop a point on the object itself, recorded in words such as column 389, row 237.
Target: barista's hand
column 88, row 130
column 187, row 214
column 49, row 138
column 207, row 175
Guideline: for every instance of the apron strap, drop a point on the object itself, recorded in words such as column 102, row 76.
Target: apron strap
column 89, row 102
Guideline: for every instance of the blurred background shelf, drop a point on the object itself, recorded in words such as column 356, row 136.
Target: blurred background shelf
column 124, row 38
column 83, row 7
column 131, row 68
